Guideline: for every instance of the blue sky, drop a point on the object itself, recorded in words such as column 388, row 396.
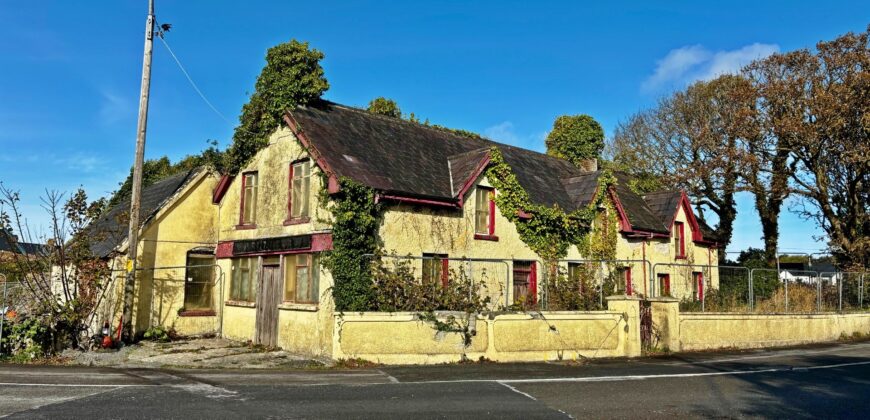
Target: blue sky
column 69, row 71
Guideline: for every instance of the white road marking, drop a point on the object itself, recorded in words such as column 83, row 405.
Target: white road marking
column 76, row 385
column 785, row 353
column 517, row 390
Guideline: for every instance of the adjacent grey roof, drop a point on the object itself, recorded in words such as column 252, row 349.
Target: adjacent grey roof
column 9, row 243
column 111, row 229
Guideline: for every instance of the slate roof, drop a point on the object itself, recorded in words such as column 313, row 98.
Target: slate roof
column 111, row 229
column 410, row 159
column 404, row 158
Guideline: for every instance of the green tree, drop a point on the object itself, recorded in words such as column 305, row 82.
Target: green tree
column 385, row 106
column 292, row 77
column 575, row 138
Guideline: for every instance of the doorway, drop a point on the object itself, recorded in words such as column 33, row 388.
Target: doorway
column 268, row 298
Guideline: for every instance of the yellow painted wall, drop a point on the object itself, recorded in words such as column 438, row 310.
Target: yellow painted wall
column 302, row 328
column 401, row 338
column 721, row 330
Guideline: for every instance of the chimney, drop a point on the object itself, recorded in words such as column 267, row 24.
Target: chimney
column 589, row 165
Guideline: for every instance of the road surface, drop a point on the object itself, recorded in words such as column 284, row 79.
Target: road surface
column 831, row 381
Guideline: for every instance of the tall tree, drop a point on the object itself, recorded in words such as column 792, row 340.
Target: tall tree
column 820, row 108
column 385, row 106
column 292, row 76
column 575, row 138
column 689, row 141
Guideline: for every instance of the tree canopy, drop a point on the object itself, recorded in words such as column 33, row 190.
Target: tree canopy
column 385, row 106
column 575, row 138
column 292, row 77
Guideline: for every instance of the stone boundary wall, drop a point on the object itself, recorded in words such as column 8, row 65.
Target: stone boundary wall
column 721, row 330
column 692, row 331
column 403, row 338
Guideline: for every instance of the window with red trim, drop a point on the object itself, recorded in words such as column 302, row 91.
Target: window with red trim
column 698, row 285
column 525, row 282
column 248, row 212
column 679, row 240
column 665, row 284
column 484, row 212
column 300, row 188
column 435, row 269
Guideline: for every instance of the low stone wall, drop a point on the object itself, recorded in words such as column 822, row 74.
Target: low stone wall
column 403, row 338
column 702, row 331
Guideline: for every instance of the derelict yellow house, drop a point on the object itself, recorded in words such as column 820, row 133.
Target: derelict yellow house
column 267, row 228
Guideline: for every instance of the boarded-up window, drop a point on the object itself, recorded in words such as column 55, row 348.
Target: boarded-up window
column 243, row 286
column 300, row 188
column 301, row 278
column 484, row 224
column 198, row 282
column 249, row 198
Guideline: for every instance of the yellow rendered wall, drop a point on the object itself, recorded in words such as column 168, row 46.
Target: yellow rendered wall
column 401, row 338
column 719, row 330
column 302, row 328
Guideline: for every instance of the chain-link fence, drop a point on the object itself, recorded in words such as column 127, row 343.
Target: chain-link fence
column 583, row 284
column 704, row 287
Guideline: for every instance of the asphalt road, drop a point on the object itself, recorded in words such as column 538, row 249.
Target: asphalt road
column 821, row 381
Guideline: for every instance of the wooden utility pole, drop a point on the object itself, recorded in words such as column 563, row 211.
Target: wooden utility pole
column 133, row 236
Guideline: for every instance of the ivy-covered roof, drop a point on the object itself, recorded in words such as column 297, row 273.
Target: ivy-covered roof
column 410, row 159
column 110, row 230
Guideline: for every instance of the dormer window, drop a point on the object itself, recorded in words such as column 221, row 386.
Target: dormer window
column 484, row 214
column 679, row 240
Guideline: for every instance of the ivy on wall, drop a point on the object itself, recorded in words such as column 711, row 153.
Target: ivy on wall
column 356, row 218
column 551, row 230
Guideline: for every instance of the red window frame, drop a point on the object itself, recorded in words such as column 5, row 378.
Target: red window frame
column 290, row 220
column 490, row 234
column 532, row 271
column 629, row 289
column 665, row 284
column 242, row 224
column 699, row 282
column 680, row 234
column 445, row 265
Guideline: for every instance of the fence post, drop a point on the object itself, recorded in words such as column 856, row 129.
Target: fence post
column 3, row 308
column 819, row 292
column 840, row 292
column 786, row 290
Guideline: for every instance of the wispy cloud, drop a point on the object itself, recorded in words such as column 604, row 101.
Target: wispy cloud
column 684, row 65
column 505, row 132
column 113, row 107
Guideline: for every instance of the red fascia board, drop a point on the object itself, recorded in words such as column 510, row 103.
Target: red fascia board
column 481, row 166
column 221, row 189
column 625, row 224
column 319, row 242
column 686, row 205
column 293, row 125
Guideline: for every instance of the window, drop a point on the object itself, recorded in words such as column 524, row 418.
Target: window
column 698, row 285
column 198, row 282
column 484, row 213
column 577, row 273
column 623, row 281
column 680, row 240
column 249, row 199
column 301, row 279
column 244, row 280
column 525, row 282
column 665, row 284
column 435, row 269
column 300, row 188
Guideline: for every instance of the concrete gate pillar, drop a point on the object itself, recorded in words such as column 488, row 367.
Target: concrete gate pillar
column 630, row 308
column 666, row 322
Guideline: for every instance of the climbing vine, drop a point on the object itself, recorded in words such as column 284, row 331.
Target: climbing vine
column 356, row 218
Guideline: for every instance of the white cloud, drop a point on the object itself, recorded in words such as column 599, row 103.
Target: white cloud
column 113, row 107
column 503, row 132
column 684, row 65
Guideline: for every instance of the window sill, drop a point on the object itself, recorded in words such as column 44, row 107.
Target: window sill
column 246, row 227
column 680, row 257
column 241, row 303
column 483, row 237
column 297, row 221
column 294, row 306
column 197, row 312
